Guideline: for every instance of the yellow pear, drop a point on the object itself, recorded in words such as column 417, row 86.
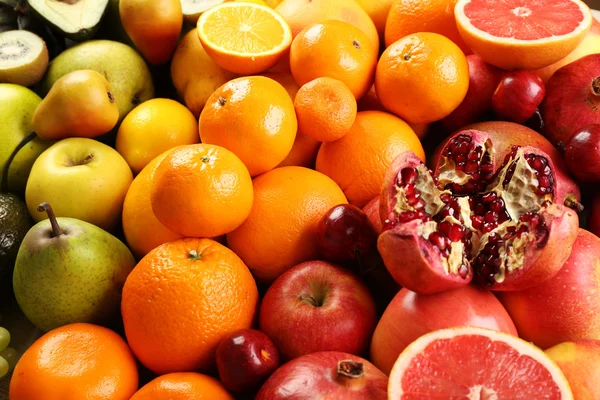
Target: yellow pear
column 80, row 104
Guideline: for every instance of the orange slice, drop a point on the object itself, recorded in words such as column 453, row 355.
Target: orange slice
column 522, row 34
column 244, row 38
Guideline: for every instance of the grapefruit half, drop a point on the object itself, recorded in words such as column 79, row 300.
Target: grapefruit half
column 475, row 363
column 522, row 34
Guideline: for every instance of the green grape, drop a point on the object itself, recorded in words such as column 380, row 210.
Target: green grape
column 4, row 338
column 3, row 368
column 11, row 356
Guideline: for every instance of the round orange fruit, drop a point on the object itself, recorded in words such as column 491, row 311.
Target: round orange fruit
column 325, row 108
column 334, row 49
column 281, row 229
column 180, row 301
column 201, row 190
column 253, row 117
column 378, row 10
column 358, row 161
column 422, row 77
column 75, row 362
column 183, row 386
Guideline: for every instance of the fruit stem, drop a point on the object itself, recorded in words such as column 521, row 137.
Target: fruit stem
column 350, row 369
column 45, row 207
column 32, row 135
column 572, row 202
column 194, row 255
column 309, row 299
column 596, row 86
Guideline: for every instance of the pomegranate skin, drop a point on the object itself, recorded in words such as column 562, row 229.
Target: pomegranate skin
column 572, row 101
column 582, row 154
column 315, row 376
column 411, row 315
column 566, row 307
column 371, row 210
column 593, row 222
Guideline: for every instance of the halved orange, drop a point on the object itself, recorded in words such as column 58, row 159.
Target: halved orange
column 522, row 34
column 244, row 38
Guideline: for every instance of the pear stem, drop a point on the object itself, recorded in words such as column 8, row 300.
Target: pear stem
column 32, row 135
column 45, row 207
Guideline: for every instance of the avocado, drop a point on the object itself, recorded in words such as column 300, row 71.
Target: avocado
column 75, row 19
column 14, row 224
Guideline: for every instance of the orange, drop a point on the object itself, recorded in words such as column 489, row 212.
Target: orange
column 75, row 362
column 285, row 79
column 304, row 152
column 253, row 117
column 182, row 299
column 359, row 160
column 422, row 77
column 378, row 10
column 411, row 16
column 194, row 74
column 143, row 231
column 325, row 108
column 201, row 190
column 152, row 128
column 183, row 386
column 334, row 49
column 301, row 13
column 245, row 38
column 281, row 229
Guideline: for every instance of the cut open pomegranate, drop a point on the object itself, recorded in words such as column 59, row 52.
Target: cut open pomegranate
column 469, row 221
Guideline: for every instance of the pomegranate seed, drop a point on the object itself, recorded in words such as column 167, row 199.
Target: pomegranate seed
column 544, row 182
column 410, row 190
column 471, row 167
column 409, row 176
column 477, row 221
column 488, row 197
column 437, row 240
column 444, row 228
column 491, row 217
column 474, row 156
column 463, row 271
column 497, row 205
column 456, row 233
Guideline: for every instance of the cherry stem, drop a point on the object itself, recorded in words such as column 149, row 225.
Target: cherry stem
column 596, row 86
column 572, row 202
column 32, row 135
column 350, row 369
column 45, row 207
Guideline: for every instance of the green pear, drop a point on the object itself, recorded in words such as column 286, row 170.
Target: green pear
column 68, row 271
column 17, row 105
column 125, row 70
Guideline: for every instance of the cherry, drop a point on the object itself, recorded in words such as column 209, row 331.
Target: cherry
column 582, row 154
column 518, row 96
column 344, row 233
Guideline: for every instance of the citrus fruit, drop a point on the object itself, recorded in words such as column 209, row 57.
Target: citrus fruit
column 143, row 231
column 201, row 190
column 522, row 34
column 359, row 160
column 431, row 73
column 334, row 49
column 152, row 128
column 378, row 11
column 74, row 362
column 304, row 152
column 281, row 230
column 299, row 14
column 183, row 386
column 194, row 74
column 478, row 363
column 325, row 109
column 411, row 16
column 253, row 117
column 180, row 301
column 285, row 79
column 244, row 38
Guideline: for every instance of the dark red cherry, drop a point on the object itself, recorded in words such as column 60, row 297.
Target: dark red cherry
column 518, row 96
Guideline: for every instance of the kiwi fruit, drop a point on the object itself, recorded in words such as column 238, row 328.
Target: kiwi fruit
column 192, row 9
column 23, row 58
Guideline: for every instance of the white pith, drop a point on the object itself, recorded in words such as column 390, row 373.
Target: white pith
column 193, row 7
column 85, row 13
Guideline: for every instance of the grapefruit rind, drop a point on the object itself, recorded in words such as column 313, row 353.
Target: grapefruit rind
column 395, row 390
column 511, row 53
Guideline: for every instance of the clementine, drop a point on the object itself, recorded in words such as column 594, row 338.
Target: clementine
column 282, row 227
column 180, row 301
column 183, row 386
column 358, row 161
column 378, row 10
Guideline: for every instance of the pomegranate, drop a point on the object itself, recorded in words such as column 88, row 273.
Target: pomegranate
column 371, row 210
column 326, row 375
column 469, row 218
column 582, row 153
column 411, row 315
column 565, row 308
column 518, row 96
column 572, row 99
column 593, row 222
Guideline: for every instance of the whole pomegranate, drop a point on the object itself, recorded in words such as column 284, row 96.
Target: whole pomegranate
column 326, row 375
column 474, row 215
column 572, row 99
column 582, row 153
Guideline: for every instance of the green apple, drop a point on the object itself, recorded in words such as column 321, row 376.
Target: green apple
column 81, row 178
column 17, row 104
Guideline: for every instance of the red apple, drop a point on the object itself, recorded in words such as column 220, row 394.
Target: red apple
column 318, row 306
column 565, row 308
column 411, row 315
column 580, row 362
column 326, row 375
column 245, row 359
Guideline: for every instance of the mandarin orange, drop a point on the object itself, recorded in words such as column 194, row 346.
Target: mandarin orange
column 183, row 386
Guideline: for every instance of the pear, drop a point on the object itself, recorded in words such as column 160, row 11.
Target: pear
column 70, row 271
column 79, row 104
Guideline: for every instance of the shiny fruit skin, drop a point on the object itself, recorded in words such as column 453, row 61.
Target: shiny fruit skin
column 183, row 386
column 411, row 315
column 345, row 234
column 593, row 222
column 245, row 359
column 582, row 154
column 371, row 210
column 518, row 95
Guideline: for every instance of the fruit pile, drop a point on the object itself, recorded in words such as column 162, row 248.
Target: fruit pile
column 292, row 199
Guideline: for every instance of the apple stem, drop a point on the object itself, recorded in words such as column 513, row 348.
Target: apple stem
column 45, row 207
column 572, row 202
column 307, row 298
column 32, row 135
column 596, row 86
column 350, row 369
